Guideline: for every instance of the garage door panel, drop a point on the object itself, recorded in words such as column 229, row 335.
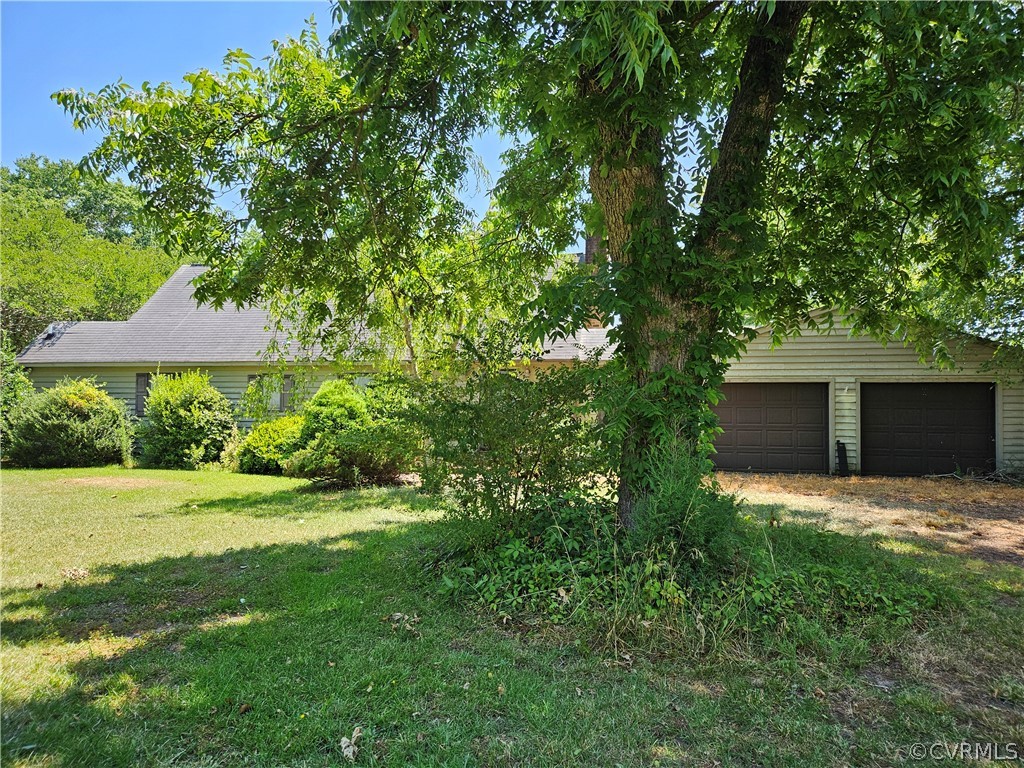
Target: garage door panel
column 930, row 428
column 807, row 440
column 776, row 415
column 905, row 441
column 773, row 428
column 749, row 438
column 904, row 417
column 814, row 415
column 942, row 418
column 749, row 416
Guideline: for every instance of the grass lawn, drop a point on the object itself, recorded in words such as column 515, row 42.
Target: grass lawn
column 208, row 619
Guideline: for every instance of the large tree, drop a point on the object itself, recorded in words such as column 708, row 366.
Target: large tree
column 740, row 161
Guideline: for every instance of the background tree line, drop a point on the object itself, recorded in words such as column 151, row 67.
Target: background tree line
column 74, row 248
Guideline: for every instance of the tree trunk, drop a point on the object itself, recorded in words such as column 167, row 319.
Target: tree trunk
column 669, row 334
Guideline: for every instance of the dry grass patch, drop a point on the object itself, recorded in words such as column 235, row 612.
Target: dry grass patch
column 974, row 518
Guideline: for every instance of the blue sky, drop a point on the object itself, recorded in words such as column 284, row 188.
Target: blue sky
column 47, row 46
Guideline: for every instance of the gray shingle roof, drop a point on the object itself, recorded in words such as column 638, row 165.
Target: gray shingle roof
column 171, row 328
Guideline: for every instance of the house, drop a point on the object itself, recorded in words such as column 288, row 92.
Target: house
column 824, row 401
column 171, row 333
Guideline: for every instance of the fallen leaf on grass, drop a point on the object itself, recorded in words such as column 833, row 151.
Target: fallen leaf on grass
column 244, row 708
column 404, row 622
column 349, row 745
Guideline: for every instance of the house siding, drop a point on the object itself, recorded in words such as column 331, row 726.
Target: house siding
column 846, row 361
column 119, row 381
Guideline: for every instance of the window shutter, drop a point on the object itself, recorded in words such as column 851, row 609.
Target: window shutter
column 141, row 390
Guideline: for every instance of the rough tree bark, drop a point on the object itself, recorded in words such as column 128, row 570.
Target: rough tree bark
column 630, row 174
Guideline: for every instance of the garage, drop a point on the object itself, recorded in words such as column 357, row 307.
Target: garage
column 928, row 429
column 777, row 427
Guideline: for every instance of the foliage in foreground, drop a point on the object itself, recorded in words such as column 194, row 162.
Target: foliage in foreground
column 524, row 469
column 501, row 445
column 805, row 588
column 188, row 422
column 73, row 424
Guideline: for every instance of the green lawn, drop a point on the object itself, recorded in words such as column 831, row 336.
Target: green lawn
column 208, row 619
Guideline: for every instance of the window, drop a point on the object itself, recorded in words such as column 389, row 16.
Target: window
column 287, row 385
column 141, row 390
column 277, row 400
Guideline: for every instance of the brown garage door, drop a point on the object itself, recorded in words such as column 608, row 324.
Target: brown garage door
column 927, row 429
column 773, row 428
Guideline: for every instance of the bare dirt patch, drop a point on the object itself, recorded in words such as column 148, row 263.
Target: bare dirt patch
column 115, row 483
column 979, row 519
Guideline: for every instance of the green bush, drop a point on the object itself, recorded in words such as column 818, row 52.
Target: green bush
column 228, row 460
column 361, row 454
column 337, row 405
column 792, row 587
column 74, row 424
column 187, row 422
column 352, row 437
column 268, row 444
column 15, row 387
column 389, row 397
column 503, row 448
column 685, row 509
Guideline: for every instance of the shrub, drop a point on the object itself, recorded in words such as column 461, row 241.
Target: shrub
column 351, row 437
column 264, row 449
column 389, row 397
column 336, row 406
column 74, row 424
column 15, row 387
column 685, row 509
column 503, row 448
column 228, row 460
column 794, row 587
column 361, row 454
column 188, row 422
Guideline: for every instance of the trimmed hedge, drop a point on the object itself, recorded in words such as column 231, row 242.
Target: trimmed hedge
column 188, row 422
column 73, row 424
column 265, row 448
column 336, row 406
column 370, row 454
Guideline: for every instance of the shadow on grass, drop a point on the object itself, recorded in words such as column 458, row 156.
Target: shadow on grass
column 269, row 655
column 169, row 651
column 309, row 500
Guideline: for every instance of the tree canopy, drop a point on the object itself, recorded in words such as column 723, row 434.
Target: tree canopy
column 740, row 161
column 73, row 249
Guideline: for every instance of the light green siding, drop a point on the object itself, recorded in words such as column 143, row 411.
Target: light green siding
column 119, row 381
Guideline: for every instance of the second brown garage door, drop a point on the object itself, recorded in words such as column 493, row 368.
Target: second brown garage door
column 924, row 429
column 773, row 428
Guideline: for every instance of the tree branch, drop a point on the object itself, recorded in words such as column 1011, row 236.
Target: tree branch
column 733, row 186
